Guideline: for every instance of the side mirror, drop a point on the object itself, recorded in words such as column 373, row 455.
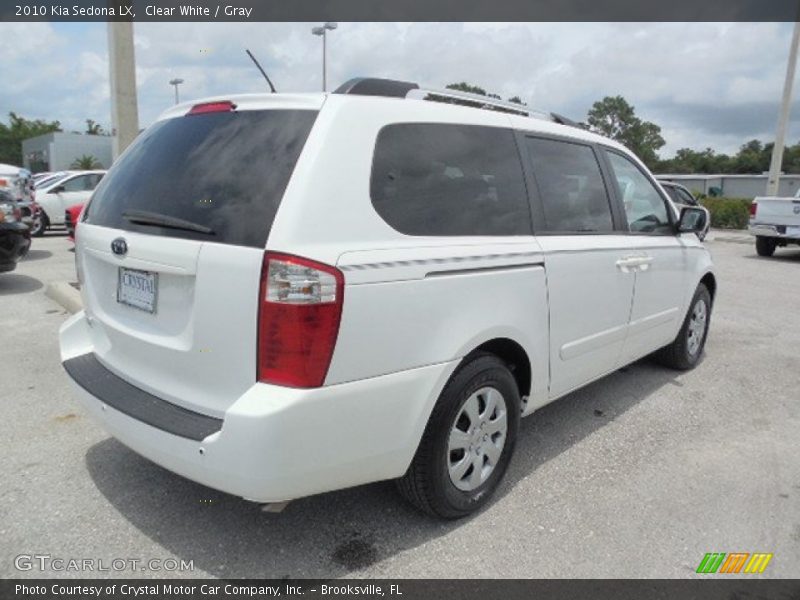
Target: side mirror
column 57, row 190
column 694, row 219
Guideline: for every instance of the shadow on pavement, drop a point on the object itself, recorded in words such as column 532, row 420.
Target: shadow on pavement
column 788, row 255
column 34, row 254
column 16, row 283
column 331, row 535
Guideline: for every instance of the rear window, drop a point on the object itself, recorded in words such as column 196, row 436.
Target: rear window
column 444, row 180
column 224, row 172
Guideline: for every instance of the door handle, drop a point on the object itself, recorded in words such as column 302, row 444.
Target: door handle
column 629, row 264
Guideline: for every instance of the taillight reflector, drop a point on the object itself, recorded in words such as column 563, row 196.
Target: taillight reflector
column 753, row 209
column 300, row 306
column 212, row 107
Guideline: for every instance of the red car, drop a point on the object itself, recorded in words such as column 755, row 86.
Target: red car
column 71, row 218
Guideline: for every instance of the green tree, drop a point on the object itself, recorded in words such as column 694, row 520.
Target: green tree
column 19, row 129
column 471, row 89
column 517, row 100
column 752, row 157
column 467, row 87
column 615, row 118
column 85, row 163
column 93, row 128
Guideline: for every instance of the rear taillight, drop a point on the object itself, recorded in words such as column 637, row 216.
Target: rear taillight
column 300, row 305
column 753, row 209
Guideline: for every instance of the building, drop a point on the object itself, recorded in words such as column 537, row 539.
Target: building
column 734, row 186
column 58, row 150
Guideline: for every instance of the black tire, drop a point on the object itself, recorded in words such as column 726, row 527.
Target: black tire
column 765, row 246
column 44, row 223
column 427, row 483
column 678, row 354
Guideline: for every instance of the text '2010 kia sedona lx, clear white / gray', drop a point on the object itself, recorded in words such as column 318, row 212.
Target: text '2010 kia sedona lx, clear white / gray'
column 291, row 294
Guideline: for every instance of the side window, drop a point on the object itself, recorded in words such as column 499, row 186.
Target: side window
column 673, row 193
column 443, row 180
column 77, row 184
column 644, row 206
column 686, row 197
column 94, row 179
column 571, row 186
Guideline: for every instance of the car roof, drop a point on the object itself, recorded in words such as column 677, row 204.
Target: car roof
column 469, row 114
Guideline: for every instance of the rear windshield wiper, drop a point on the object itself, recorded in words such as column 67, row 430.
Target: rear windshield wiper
column 144, row 217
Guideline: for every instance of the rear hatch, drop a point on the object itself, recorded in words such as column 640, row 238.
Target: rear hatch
column 778, row 211
column 171, row 247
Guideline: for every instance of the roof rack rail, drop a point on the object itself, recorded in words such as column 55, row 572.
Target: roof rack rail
column 371, row 86
column 475, row 101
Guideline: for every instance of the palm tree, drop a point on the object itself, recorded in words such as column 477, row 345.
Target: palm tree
column 86, row 163
column 93, row 128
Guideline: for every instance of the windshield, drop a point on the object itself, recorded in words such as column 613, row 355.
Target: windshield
column 222, row 172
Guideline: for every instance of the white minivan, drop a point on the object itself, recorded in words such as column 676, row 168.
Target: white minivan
column 290, row 294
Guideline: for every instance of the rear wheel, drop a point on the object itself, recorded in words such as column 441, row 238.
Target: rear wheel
column 685, row 351
column 468, row 442
column 765, row 246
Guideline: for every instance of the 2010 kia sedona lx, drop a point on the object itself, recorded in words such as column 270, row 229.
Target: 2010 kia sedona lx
column 290, row 294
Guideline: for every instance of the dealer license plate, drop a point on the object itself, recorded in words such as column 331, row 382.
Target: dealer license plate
column 138, row 289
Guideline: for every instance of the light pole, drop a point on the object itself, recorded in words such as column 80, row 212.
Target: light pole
column 323, row 30
column 122, row 77
column 176, row 82
column 773, row 180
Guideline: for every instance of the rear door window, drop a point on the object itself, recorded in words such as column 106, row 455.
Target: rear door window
column 439, row 179
column 571, row 187
column 224, row 173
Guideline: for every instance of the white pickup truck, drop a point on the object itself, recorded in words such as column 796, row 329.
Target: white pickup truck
column 775, row 222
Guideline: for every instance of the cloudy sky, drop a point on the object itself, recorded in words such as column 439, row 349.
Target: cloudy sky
column 705, row 84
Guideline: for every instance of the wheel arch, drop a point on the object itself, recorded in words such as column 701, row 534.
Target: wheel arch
column 514, row 356
column 710, row 281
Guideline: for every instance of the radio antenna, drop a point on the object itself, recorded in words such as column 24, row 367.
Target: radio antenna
column 253, row 58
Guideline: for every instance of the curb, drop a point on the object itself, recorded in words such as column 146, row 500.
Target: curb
column 64, row 294
column 736, row 237
column 730, row 240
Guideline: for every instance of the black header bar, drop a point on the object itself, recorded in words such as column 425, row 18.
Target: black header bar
column 400, row 10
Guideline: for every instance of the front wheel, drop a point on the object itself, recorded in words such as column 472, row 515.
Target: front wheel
column 765, row 246
column 39, row 225
column 468, row 441
column 685, row 351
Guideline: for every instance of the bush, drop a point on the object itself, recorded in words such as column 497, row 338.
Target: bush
column 728, row 213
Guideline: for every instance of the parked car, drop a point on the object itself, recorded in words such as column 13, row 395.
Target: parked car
column 775, row 222
column 56, row 196
column 13, row 180
column 681, row 196
column 678, row 193
column 71, row 219
column 289, row 294
column 15, row 237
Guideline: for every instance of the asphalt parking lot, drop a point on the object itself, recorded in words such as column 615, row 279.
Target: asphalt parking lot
column 637, row 475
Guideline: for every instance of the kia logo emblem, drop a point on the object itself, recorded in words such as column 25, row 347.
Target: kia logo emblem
column 119, row 247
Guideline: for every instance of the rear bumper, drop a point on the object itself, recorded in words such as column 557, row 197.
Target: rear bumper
column 776, row 231
column 278, row 443
column 15, row 240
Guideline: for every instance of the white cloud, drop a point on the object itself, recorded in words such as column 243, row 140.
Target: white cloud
column 706, row 84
